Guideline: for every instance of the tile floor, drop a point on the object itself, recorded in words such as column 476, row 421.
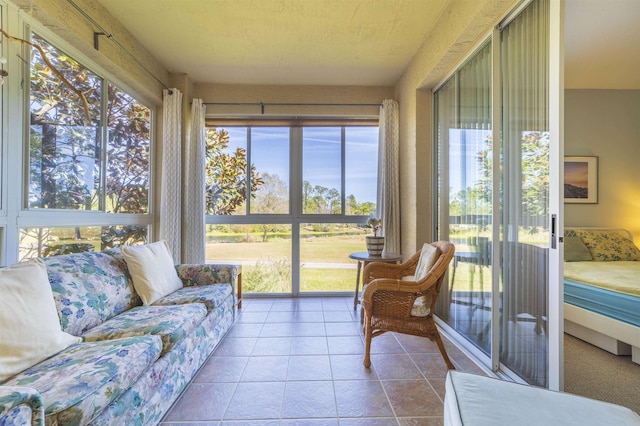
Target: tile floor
column 299, row 362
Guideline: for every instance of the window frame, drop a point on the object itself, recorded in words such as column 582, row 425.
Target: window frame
column 23, row 216
column 295, row 217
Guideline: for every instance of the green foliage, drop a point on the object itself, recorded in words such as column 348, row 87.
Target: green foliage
column 317, row 199
column 67, row 152
column 52, row 101
column 59, row 249
column 267, row 277
column 63, row 148
column 127, row 180
column 320, row 227
column 535, row 173
column 272, row 197
column 474, row 203
column 364, row 209
column 534, row 149
column 226, row 175
column 115, row 236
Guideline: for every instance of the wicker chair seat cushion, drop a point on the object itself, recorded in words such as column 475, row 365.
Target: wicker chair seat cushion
column 428, row 257
column 422, row 306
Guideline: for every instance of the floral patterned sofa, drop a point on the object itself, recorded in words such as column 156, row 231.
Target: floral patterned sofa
column 134, row 360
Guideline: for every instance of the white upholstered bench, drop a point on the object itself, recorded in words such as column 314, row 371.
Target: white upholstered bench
column 473, row 400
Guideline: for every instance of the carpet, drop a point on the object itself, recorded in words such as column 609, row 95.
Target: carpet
column 592, row 372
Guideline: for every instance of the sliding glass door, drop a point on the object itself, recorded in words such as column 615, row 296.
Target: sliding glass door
column 463, row 111
column 498, row 199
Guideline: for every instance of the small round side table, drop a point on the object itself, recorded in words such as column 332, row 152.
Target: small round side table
column 363, row 258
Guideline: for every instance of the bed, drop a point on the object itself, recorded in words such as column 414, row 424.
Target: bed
column 602, row 289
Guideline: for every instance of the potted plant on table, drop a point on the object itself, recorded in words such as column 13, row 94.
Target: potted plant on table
column 375, row 243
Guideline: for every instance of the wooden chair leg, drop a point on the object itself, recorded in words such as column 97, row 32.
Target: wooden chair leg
column 368, row 335
column 443, row 351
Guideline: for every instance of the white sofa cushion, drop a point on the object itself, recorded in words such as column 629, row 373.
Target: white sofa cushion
column 29, row 324
column 152, row 270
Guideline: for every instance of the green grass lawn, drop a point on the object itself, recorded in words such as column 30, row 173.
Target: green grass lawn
column 327, row 279
column 322, row 249
column 268, row 266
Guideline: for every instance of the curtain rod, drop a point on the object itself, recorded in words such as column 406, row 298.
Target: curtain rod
column 103, row 32
column 263, row 104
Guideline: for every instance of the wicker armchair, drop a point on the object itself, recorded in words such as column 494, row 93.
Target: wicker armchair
column 388, row 299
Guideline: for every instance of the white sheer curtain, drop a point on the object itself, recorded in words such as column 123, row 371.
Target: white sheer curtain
column 193, row 218
column 170, row 187
column 388, row 176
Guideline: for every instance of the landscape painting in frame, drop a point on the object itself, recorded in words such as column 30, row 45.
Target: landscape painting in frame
column 581, row 179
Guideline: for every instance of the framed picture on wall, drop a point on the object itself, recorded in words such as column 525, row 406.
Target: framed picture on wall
column 581, row 180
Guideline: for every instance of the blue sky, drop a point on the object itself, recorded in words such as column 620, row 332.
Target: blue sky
column 321, row 156
column 473, row 144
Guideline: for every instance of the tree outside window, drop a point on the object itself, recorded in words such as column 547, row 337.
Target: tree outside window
column 71, row 167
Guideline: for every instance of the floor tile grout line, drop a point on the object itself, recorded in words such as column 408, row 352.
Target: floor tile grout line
column 224, row 412
column 425, row 378
column 325, row 309
column 393, row 410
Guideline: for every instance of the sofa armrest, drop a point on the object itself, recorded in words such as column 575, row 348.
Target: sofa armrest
column 21, row 405
column 193, row 274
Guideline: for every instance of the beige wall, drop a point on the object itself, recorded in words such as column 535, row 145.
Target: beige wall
column 606, row 124
column 293, row 94
column 443, row 49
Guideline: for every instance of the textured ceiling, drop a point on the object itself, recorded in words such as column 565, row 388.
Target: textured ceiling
column 322, row 42
column 351, row 42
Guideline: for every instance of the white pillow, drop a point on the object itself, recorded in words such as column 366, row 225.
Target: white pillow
column 428, row 258
column 29, row 324
column 152, row 270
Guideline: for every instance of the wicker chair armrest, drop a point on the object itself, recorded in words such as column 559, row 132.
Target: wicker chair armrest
column 398, row 285
column 398, row 295
column 378, row 270
column 375, row 270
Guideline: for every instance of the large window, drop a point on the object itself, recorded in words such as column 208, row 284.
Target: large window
column 70, row 167
column 64, row 137
column 290, row 203
column 89, row 150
